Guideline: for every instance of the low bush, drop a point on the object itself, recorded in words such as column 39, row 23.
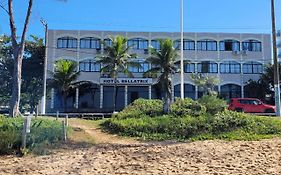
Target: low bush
column 224, row 125
column 141, row 107
column 183, row 107
column 41, row 131
column 213, row 104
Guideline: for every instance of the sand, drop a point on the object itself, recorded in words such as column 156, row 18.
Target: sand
column 120, row 156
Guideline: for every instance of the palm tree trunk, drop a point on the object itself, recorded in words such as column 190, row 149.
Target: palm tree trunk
column 114, row 94
column 64, row 101
column 166, row 104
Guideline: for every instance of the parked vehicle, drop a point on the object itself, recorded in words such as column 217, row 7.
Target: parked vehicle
column 250, row 105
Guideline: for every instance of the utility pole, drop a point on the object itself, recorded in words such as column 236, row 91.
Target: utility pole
column 181, row 63
column 43, row 101
column 276, row 68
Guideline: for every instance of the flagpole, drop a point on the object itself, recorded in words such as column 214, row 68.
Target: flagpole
column 276, row 66
column 181, row 63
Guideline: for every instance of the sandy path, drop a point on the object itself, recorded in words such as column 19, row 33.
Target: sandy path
column 202, row 158
column 101, row 137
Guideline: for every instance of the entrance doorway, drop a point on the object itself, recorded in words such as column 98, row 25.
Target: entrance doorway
column 134, row 96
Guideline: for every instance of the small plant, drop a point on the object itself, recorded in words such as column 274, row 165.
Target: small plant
column 213, row 104
column 187, row 107
column 141, row 107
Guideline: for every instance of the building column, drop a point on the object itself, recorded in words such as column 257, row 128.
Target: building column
column 126, row 96
column 52, row 98
column 149, row 92
column 219, row 89
column 242, row 82
column 196, row 92
column 242, row 91
column 77, row 98
column 101, row 96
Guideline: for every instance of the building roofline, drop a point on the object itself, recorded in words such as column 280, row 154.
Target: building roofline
column 119, row 31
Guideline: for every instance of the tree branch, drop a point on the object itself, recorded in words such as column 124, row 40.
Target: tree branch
column 28, row 13
column 2, row 6
column 12, row 24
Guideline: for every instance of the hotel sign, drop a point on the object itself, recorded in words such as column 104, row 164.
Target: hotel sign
column 126, row 81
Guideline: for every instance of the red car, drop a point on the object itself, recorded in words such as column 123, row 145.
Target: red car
column 251, row 105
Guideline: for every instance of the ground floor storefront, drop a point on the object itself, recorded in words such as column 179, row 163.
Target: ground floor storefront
column 100, row 97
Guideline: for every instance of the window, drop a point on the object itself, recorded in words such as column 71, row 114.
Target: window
column 155, row 44
column 107, row 42
column 207, row 45
column 67, row 42
column 229, row 45
column 252, row 68
column 187, row 44
column 207, row 67
column 90, row 43
column 229, row 91
column 89, row 66
column 189, row 68
column 249, row 102
column 252, row 45
column 230, row 67
column 138, row 43
column 144, row 66
column 189, row 91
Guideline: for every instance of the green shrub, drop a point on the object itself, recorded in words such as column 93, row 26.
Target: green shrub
column 142, row 107
column 223, row 125
column 10, row 134
column 213, row 104
column 41, row 131
column 186, row 107
column 229, row 121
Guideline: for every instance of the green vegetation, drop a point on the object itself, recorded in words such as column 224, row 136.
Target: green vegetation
column 213, row 104
column 141, row 107
column 187, row 107
column 164, row 66
column 117, row 59
column 190, row 120
column 42, row 132
column 32, row 72
column 64, row 78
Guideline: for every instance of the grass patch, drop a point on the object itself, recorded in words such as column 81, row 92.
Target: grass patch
column 43, row 132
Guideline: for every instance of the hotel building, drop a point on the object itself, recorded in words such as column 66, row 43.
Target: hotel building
column 234, row 58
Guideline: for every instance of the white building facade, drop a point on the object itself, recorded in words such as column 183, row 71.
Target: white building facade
column 232, row 57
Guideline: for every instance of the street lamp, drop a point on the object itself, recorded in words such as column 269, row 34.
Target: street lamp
column 43, row 101
column 181, row 62
column 276, row 69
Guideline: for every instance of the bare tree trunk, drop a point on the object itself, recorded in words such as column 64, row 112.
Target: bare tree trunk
column 18, row 50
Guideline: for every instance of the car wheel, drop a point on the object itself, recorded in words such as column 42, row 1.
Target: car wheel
column 239, row 110
column 269, row 111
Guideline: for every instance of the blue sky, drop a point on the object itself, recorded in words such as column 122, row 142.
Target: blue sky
column 247, row 16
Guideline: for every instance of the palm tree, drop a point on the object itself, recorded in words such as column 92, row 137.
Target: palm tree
column 205, row 82
column 64, row 78
column 117, row 59
column 163, row 62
